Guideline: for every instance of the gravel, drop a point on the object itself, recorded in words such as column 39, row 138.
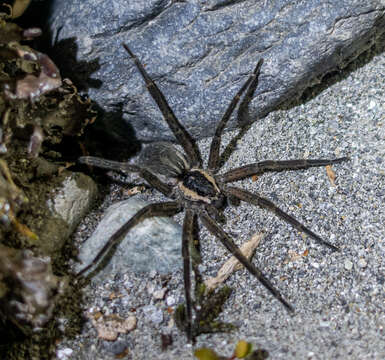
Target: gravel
column 338, row 296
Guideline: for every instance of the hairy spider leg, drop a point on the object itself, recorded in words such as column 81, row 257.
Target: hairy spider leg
column 225, row 239
column 250, row 85
column 243, row 107
column 158, row 209
column 267, row 204
column 270, row 165
column 108, row 164
column 153, row 180
column 183, row 137
column 187, row 239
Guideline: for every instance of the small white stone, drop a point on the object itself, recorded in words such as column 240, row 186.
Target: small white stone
column 372, row 105
column 154, row 314
column 159, row 294
column 150, row 287
column 171, row 323
column 324, row 324
column 170, row 301
column 64, row 354
column 362, row 263
column 348, row 265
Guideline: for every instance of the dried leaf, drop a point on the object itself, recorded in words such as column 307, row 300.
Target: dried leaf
column 122, row 355
column 294, row 256
column 109, row 326
column 18, row 8
column 233, row 264
column 21, row 228
column 31, row 86
column 11, row 198
column 242, row 349
column 331, row 174
column 65, row 167
column 205, row 354
column 134, row 190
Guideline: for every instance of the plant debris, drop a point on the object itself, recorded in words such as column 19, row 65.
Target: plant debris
column 331, row 174
column 28, row 289
column 42, row 118
column 232, row 265
column 243, row 350
column 109, row 326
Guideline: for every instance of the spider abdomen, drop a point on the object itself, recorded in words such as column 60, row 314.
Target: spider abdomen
column 199, row 185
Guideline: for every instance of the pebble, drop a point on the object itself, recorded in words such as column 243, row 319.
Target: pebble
column 170, row 301
column 154, row 314
column 159, row 294
column 348, row 265
column 362, row 263
column 150, row 288
column 64, row 354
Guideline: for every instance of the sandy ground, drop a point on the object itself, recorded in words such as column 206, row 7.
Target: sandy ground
column 338, row 296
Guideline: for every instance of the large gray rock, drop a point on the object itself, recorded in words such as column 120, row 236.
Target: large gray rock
column 153, row 244
column 201, row 52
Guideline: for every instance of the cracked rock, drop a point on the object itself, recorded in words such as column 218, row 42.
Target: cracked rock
column 153, row 244
column 201, row 52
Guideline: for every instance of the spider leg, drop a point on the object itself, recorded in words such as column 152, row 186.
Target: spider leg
column 187, row 239
column 214, row 229
column 158, row 209
column 181, row 134
column 270, row 165
column 108, row 164
column 126, row 167
column 243, row 107
column 267, row 204
column 216, row 142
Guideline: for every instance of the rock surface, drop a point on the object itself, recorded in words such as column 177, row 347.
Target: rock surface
column 154, row 244
column 66, row 206
column 201, row 52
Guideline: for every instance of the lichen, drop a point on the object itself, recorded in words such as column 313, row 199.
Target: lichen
column 29, row 288
column 42, row 119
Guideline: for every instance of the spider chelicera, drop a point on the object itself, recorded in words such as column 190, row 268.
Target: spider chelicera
column 202, row 193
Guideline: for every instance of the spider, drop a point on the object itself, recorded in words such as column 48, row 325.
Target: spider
column 202, row 193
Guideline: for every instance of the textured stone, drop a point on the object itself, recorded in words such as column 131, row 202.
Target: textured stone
column 201, row 52
column 66, row 206
column 154, row 244
column 73, row 199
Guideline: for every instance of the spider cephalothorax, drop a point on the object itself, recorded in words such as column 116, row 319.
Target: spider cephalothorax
column 201, row 192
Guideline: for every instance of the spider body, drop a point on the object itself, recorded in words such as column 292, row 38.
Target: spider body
column 199, row 185
column 201, row 192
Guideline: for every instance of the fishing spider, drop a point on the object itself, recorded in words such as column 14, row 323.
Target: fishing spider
column 201, row 192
